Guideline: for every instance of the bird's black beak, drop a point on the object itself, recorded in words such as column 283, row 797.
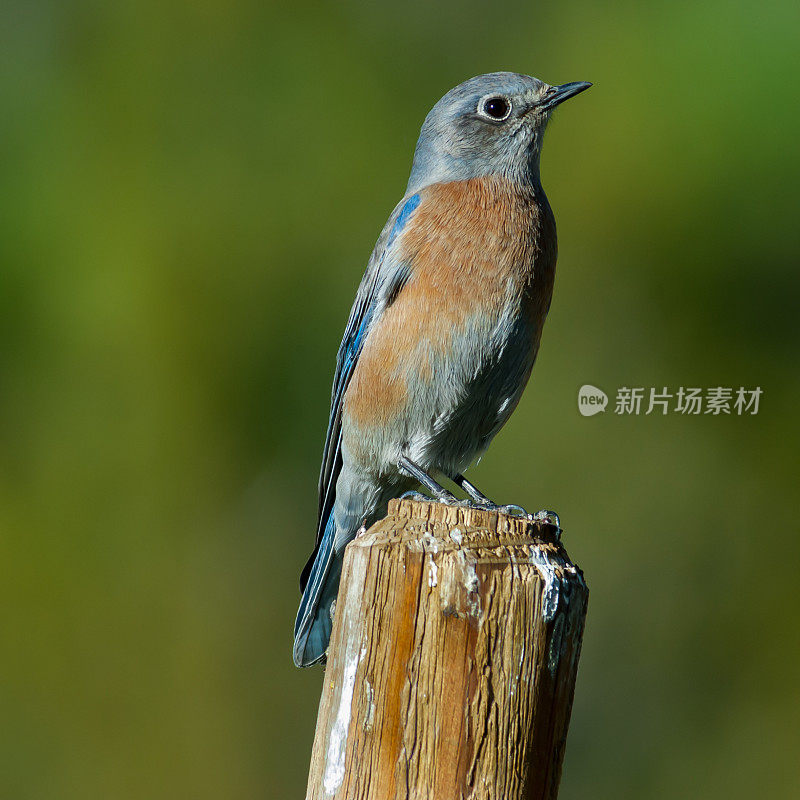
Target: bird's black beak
column 556, row 95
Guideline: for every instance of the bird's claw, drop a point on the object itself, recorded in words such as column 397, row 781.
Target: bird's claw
column 545, row 515
column 413, row 494
column 513, row 510
column 550, row 517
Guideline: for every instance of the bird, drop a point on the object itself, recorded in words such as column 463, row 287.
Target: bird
column 445, row 326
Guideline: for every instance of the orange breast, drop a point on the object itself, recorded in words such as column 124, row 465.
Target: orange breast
column 474, row 246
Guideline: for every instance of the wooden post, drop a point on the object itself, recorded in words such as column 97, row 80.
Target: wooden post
column 452, row 662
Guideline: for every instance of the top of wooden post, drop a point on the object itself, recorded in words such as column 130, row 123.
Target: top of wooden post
column 457, row 526
column 431, row 528
column 469, row 516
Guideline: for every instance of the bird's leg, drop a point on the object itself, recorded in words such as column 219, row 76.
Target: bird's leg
column 511, row 509
column 474, row 492
column 483, row 501
column 419, row 474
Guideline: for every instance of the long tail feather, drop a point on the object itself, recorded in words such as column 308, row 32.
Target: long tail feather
column 312, row 629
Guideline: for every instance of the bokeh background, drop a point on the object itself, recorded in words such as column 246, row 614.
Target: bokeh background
column 190, row 191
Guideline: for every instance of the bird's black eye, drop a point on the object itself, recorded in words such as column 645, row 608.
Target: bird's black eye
column 496, row 107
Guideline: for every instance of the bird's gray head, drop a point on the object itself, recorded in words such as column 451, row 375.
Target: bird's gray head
column 489, row 125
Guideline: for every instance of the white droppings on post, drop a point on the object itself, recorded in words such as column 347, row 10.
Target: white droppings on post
column 460, row 585
column 337, row 745
column 456, row 536
column 425, row 542
column 355, row 648
column 371, row 703
column 552, row 583
column 472, row 584
column 433, row 571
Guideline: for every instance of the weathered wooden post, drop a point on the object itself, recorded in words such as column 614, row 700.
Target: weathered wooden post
column 452, row 662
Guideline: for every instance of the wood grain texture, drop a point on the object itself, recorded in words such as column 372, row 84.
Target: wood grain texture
column 452, row 662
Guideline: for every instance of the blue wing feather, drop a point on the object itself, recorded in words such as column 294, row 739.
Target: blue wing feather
column 384, row 275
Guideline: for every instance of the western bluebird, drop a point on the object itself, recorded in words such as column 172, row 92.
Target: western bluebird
column 446, row 322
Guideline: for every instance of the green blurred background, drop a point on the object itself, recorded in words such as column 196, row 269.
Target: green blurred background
column 190, row 193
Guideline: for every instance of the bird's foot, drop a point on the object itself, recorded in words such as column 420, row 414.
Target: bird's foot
column 550, row 517
column 513, row 510
column 448, row 499
column 413, row 494
column 510, row 509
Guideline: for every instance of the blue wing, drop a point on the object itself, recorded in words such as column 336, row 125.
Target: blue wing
column 384, row 277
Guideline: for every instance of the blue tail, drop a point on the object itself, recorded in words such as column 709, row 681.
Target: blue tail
column 312, row 629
